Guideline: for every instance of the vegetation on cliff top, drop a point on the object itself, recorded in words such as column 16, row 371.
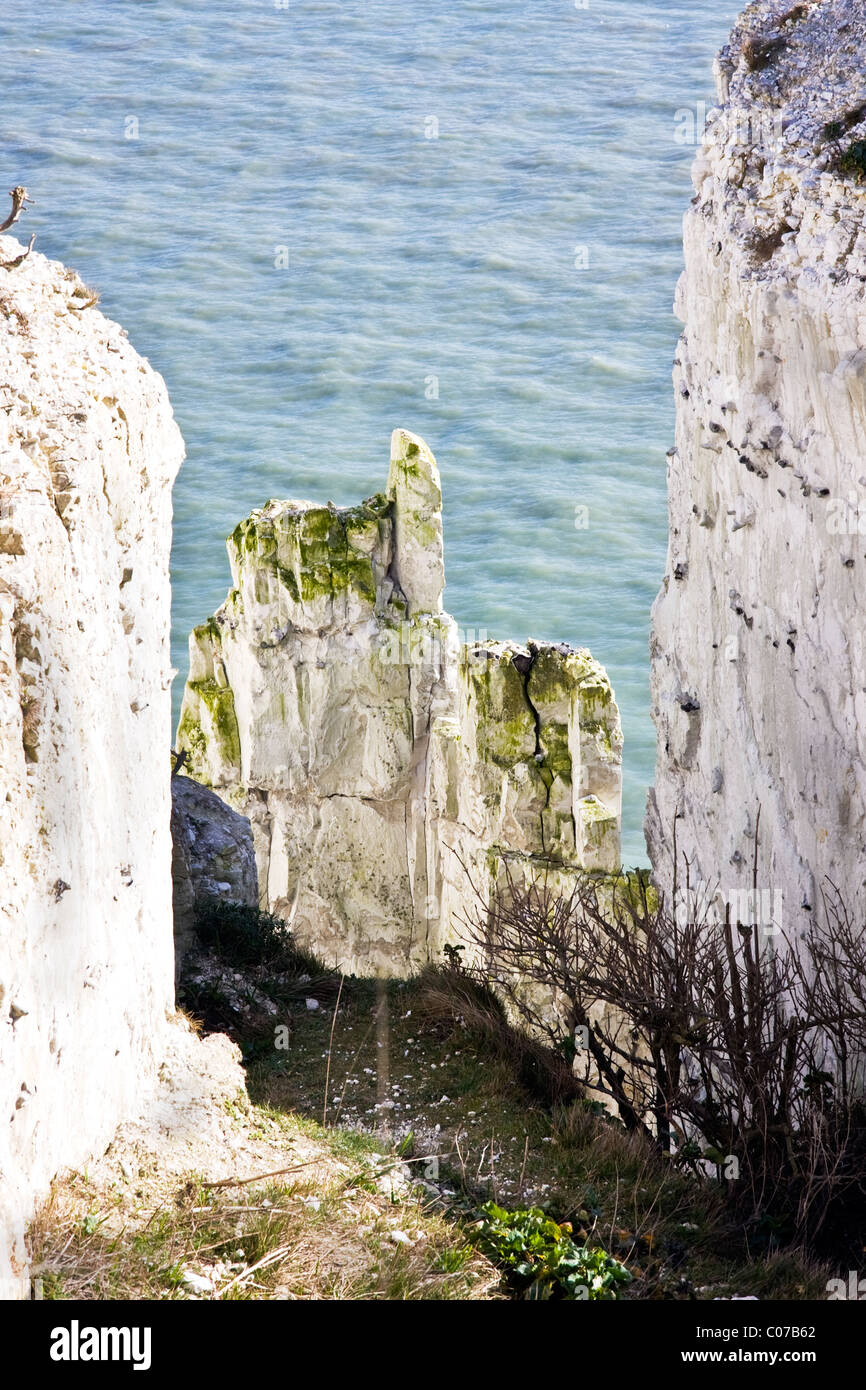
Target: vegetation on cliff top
column 447, row 1154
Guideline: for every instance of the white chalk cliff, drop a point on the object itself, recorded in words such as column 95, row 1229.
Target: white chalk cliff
column 385, row 767
column 758, row 646
column 88, row 453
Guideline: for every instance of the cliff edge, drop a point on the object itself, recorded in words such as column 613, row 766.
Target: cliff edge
column 88, row 454
column 758, row 653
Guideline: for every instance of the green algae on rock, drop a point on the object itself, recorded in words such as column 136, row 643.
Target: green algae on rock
column 385, row 763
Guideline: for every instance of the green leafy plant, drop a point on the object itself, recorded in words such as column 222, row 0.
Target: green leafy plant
column 541, row 1261
column 453, row 956
column 853, row 161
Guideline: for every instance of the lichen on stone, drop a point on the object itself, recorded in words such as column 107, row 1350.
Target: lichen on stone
column 382, row 760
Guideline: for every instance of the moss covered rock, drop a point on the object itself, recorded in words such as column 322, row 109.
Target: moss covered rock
column 384, row 765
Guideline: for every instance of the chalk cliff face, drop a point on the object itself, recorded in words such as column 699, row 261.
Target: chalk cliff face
column 88, row 452
column 758, row 650
column 384, row 764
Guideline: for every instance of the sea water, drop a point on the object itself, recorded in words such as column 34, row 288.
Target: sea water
column 323, row 220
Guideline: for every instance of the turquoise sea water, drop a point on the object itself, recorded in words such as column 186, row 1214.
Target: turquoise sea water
column 481, row 199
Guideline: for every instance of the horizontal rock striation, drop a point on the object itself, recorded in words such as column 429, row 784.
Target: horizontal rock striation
column 385, row 766
column 758, row 653
column 88, row 453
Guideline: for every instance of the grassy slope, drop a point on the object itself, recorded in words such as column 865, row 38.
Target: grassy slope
column 412, row 1090
column 435, row 1090
column 339, row 1227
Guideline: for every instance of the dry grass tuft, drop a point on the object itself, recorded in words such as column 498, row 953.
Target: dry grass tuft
column 329, row 1233
column 449, row 997
column 86, row 298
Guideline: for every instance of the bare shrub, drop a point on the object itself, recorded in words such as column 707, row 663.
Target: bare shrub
column 729, row 1049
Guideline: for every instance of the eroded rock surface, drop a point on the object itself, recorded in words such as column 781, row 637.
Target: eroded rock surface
column 759, row 661
column 88, row 454
column 383, row 764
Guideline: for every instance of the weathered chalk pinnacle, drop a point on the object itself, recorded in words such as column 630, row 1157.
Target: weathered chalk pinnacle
column 416, row 491
column 331, row 700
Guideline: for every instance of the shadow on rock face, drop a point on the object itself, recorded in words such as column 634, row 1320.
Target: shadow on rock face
column 212, row 858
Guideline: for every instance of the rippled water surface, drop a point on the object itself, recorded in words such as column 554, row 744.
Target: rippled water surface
column 478, row 199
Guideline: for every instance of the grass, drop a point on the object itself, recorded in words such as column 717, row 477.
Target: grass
column 853, row 161
column 330, row 1231
column 247, row 972
column 453, row 1086
column 436, row 1106
column 87, row 295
